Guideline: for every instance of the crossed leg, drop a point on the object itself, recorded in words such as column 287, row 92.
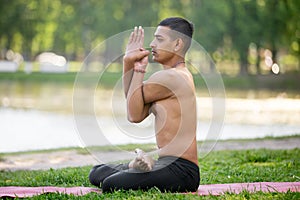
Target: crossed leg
column 168, row 174
column 162, row 176
column 142, row 163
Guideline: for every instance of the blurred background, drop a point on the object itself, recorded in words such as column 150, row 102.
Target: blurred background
column 255, row 45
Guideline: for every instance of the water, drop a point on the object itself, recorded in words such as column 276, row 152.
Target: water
column 40, row 116
column 23, row 130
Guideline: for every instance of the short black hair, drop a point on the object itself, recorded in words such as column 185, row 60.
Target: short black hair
column 182, row 26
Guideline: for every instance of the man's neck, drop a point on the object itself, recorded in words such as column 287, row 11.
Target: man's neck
column 177, row 61
column 175, row 65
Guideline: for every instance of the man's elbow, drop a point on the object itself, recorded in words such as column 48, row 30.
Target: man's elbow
column 134, row 119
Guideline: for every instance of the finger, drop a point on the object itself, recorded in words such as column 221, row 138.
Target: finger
column 142, row 37
column 149, row 168
column 142, row 54
column 139, row 34
column 144, row 165
column 138, row 162
column 130, row 38
column 145, row 169
column 135, row 34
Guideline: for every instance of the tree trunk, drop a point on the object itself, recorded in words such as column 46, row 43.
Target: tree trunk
column 258, row 71
column 243, row 69
column 244, row 63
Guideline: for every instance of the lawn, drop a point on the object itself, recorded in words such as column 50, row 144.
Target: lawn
column 218, row 167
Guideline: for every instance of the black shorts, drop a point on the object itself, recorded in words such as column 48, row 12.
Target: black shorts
column 170, row 174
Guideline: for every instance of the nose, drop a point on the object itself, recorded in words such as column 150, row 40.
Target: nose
column 152, row 45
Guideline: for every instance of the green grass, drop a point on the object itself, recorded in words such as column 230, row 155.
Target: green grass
column 217, row 167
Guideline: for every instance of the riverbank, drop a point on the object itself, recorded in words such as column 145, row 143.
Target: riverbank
column 74, row 157
column 277, row 83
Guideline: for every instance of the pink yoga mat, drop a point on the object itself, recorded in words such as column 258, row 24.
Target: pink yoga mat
column 21, row 192
column 219, row 189
column 213, row 189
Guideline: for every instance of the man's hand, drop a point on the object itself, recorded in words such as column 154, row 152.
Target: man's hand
column 136, row 55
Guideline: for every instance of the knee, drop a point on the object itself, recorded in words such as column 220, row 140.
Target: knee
column 116, row 182
column 94, row 180
column 108, row 186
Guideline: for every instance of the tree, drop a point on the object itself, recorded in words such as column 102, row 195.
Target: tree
column 292, row 27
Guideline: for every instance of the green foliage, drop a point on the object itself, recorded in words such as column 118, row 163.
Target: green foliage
column 217, row 167
column 73, row 27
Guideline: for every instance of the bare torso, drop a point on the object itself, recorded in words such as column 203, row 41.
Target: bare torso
column 176, row 117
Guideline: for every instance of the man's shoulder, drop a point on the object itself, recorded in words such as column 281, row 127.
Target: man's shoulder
column 169, row 78
column 164, row 74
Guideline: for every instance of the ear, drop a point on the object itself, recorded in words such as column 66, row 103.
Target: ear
column 178, row 45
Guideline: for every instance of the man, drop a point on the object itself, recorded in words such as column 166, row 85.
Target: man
column 169, row 94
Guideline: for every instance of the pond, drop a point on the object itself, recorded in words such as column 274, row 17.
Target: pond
column 41, row 116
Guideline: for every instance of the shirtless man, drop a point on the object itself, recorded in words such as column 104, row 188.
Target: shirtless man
column 169, row 94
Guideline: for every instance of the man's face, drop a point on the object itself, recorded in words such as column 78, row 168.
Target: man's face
column 162, row 45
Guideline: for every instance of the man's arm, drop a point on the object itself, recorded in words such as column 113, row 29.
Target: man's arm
column 141, row 95
column 137, row 110
column 127, row 76
column 135, row 62
column 161, row 85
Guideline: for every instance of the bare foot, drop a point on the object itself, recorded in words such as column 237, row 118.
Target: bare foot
column 142, row 162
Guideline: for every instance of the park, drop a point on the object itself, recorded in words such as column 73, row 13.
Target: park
column 63, row 110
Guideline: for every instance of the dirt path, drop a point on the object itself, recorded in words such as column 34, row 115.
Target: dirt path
column 73, row 158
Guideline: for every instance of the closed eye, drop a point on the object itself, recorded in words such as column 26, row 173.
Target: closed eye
column 159, row 38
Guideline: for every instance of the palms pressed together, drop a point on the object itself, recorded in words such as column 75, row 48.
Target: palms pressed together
column 135, row 54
